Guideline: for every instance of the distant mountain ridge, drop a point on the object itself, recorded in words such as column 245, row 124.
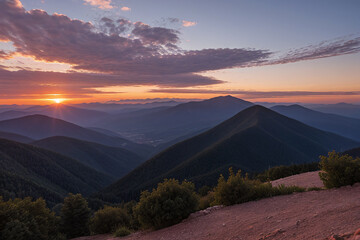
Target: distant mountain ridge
column 253, row 140
column 27, row 170
column 115, row 162
column 344, row 126
column 163, row 125
column 39, row 126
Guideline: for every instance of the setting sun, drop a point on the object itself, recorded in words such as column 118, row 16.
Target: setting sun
column 58, row 100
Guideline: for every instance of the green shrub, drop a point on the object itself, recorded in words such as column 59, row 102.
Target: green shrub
column 314, row 189
column 339, row 170
column 285, row 171
column 206, row 201
column 27, row 219
column 238, row 189
column 204, row 190
column 166, row 205
column 282, row 190
column 108, row 219
column 122, row 232
column 75, row 215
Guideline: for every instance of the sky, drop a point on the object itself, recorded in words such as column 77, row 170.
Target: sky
column 110, row 50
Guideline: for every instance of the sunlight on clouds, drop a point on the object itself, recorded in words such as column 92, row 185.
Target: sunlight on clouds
column 188, row 23
column 125, row 9
column 28, row 63
column 102, row 4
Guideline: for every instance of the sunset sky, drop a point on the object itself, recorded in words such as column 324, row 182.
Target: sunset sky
column 102, row 50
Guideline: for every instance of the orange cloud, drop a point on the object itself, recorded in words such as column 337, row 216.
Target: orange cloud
column 125, row 9
column 188, row 23
column 102, row 4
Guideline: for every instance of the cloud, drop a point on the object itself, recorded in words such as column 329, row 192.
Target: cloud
column 25, row 82
column 102, row 4
column 258, row 94
column 188, row 23
column 125, row 9
column 325, row 49
column 121, row 53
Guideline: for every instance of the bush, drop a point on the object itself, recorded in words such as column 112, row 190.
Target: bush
column 27, row 219
column 166, row 205
column 204, row 190
column 108, row 219
column 75, row 215
column 206, row 201
column 285, row 171
column 339, row 170
column 238, row 189
column 122, row 232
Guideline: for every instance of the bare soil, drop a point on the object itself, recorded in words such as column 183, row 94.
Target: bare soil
column 308, row 215
column 306, row 180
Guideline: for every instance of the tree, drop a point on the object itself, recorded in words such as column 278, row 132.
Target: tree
column 166, row 205
column 108, row 219
column 339, row 170
column 27, row 219
column 75, row 215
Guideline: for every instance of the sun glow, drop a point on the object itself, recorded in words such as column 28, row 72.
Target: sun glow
column 58, row 100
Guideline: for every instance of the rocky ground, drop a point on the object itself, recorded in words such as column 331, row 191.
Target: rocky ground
column 327, row 214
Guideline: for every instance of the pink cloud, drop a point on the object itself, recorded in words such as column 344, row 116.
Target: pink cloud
column 188, row 23
column 125, row 9
column 102, row 4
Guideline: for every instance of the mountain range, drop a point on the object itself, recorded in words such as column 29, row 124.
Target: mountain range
column 39, row 126
column 253, row 140
column 113, row 161
column 345, row 126
column 163, row 124
column 26, row 170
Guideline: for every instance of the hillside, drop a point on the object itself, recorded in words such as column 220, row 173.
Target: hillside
column 40, row 126
column 344, row 109
column 344, row 126
column 15, row 137
column 354, row 152
column 160, row 125
column 113, row 161
column 31, row 171
column 253, row 140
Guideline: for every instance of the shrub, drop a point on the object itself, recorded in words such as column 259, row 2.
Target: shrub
column 206, row 201
column 339, row 170
column 238, row 189
column 314, row 189
column 27, row 219
column 122, row 232
column 166, row 205
column 285, row 171
column 108, row 219
column 75, row 215
column 204, row 190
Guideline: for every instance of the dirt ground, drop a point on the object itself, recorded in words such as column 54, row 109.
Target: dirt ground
column 306, row 180
column 308, row 215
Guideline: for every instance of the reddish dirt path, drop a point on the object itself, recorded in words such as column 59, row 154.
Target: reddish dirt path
column 306, row 180
column 308, row 215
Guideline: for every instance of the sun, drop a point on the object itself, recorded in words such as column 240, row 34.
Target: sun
column 58, row 100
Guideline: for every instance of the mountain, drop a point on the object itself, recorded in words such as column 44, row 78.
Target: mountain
column 27, row 170
column 115, row 162
column 354, row 152
column 39, row 127
column 345, row 126
column 84, row 117
column 124, row 107
column 344, row 109
column 12, row 114
column 15, row 137
column 160, row 125
column 253, row 140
